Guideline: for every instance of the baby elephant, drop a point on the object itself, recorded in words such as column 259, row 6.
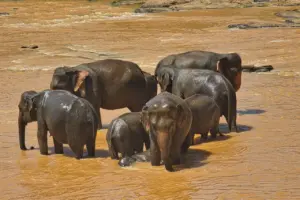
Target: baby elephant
column 206, row 116
column 126, row 135
column 69, row 119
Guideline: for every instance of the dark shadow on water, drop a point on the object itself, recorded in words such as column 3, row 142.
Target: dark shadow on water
column 241, row 128
column 197, row 139
column 194, row 158
column 99, row 153
column 250, row 112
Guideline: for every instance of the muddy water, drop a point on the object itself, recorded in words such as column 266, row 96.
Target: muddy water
column 261, row 162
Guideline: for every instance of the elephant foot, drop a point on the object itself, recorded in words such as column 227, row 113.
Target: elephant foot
column 177, row 162
column 169, row 168
column 126, row 161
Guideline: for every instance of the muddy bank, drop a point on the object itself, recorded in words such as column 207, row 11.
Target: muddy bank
column 155, row 6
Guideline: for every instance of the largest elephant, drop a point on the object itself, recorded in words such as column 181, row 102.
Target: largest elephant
column 230, row 65
column 109, row 84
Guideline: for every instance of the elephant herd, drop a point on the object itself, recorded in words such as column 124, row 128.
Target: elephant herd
column 197, row 88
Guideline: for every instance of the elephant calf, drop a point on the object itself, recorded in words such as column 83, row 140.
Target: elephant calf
column 126, row 135
column 69, row 119
column 206, row 116
column 168, row 119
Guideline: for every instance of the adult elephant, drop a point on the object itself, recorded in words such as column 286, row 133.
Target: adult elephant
column 230, row 65
column 68, row 118
column 188, row 82
column 109, row 84
column 167, row 118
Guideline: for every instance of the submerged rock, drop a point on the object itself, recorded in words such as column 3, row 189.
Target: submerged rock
column 30, row 47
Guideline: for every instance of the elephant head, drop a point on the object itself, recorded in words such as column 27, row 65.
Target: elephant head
column 165, row 78
column 27, row 113
column 70, row 79
column 230, row 65
column 161, row 122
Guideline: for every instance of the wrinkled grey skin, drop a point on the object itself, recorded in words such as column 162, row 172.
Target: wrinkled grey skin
column 126, row 135
column 68, row 118
column 167, row 118
column 230, row 65
column 109, row 84
column 187, row 82
column 206, row 117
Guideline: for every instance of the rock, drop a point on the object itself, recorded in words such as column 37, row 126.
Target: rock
column 252, row 26
column 292, row 21
column 153, row 10
column 252, row 68
column 290, row 14
column 259, row 1
column 4, row 13
column 30, row 47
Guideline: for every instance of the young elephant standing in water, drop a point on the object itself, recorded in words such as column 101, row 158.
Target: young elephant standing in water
column 126, row 135
column 69, row 119
column 168, row 119
column 206, row 116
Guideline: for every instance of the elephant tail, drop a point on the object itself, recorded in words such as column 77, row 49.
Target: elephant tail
column 95, row 118
column 111, row 146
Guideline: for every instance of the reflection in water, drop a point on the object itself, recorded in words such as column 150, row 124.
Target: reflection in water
column 259, row 162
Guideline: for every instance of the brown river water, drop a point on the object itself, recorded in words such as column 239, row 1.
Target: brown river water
column 260, row 162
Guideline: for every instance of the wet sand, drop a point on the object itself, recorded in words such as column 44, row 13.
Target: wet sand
column 261, row 162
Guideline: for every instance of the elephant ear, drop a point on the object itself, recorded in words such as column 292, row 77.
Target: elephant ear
column 166, row 80
column 223, row 66
column 80, row 82
column 30, row 102
column 180, row 116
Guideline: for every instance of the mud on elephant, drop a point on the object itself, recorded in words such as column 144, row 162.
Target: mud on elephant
column 230, row 65
column 168, row 119
column 109, row 84
column 69, row 119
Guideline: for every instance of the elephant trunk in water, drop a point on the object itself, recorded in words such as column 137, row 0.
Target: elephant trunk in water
column 164, row 143
column 22, row 125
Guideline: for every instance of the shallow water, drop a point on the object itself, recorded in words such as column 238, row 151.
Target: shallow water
column 261, row 162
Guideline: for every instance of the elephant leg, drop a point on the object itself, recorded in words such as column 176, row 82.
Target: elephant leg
column 140, row 146
column 176, row 149
column 187, row 143
column 127, row 149
column 204, row 136
column 234, row 125
column 91, row 146
column 58, row 147
column 147, row 142
column 155, row 156
column 78, row 150
column 42, row 137
column 99, row 117
column 193, row 139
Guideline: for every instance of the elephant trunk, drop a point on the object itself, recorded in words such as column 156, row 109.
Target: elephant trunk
column 164, row 143
column 22, row 125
